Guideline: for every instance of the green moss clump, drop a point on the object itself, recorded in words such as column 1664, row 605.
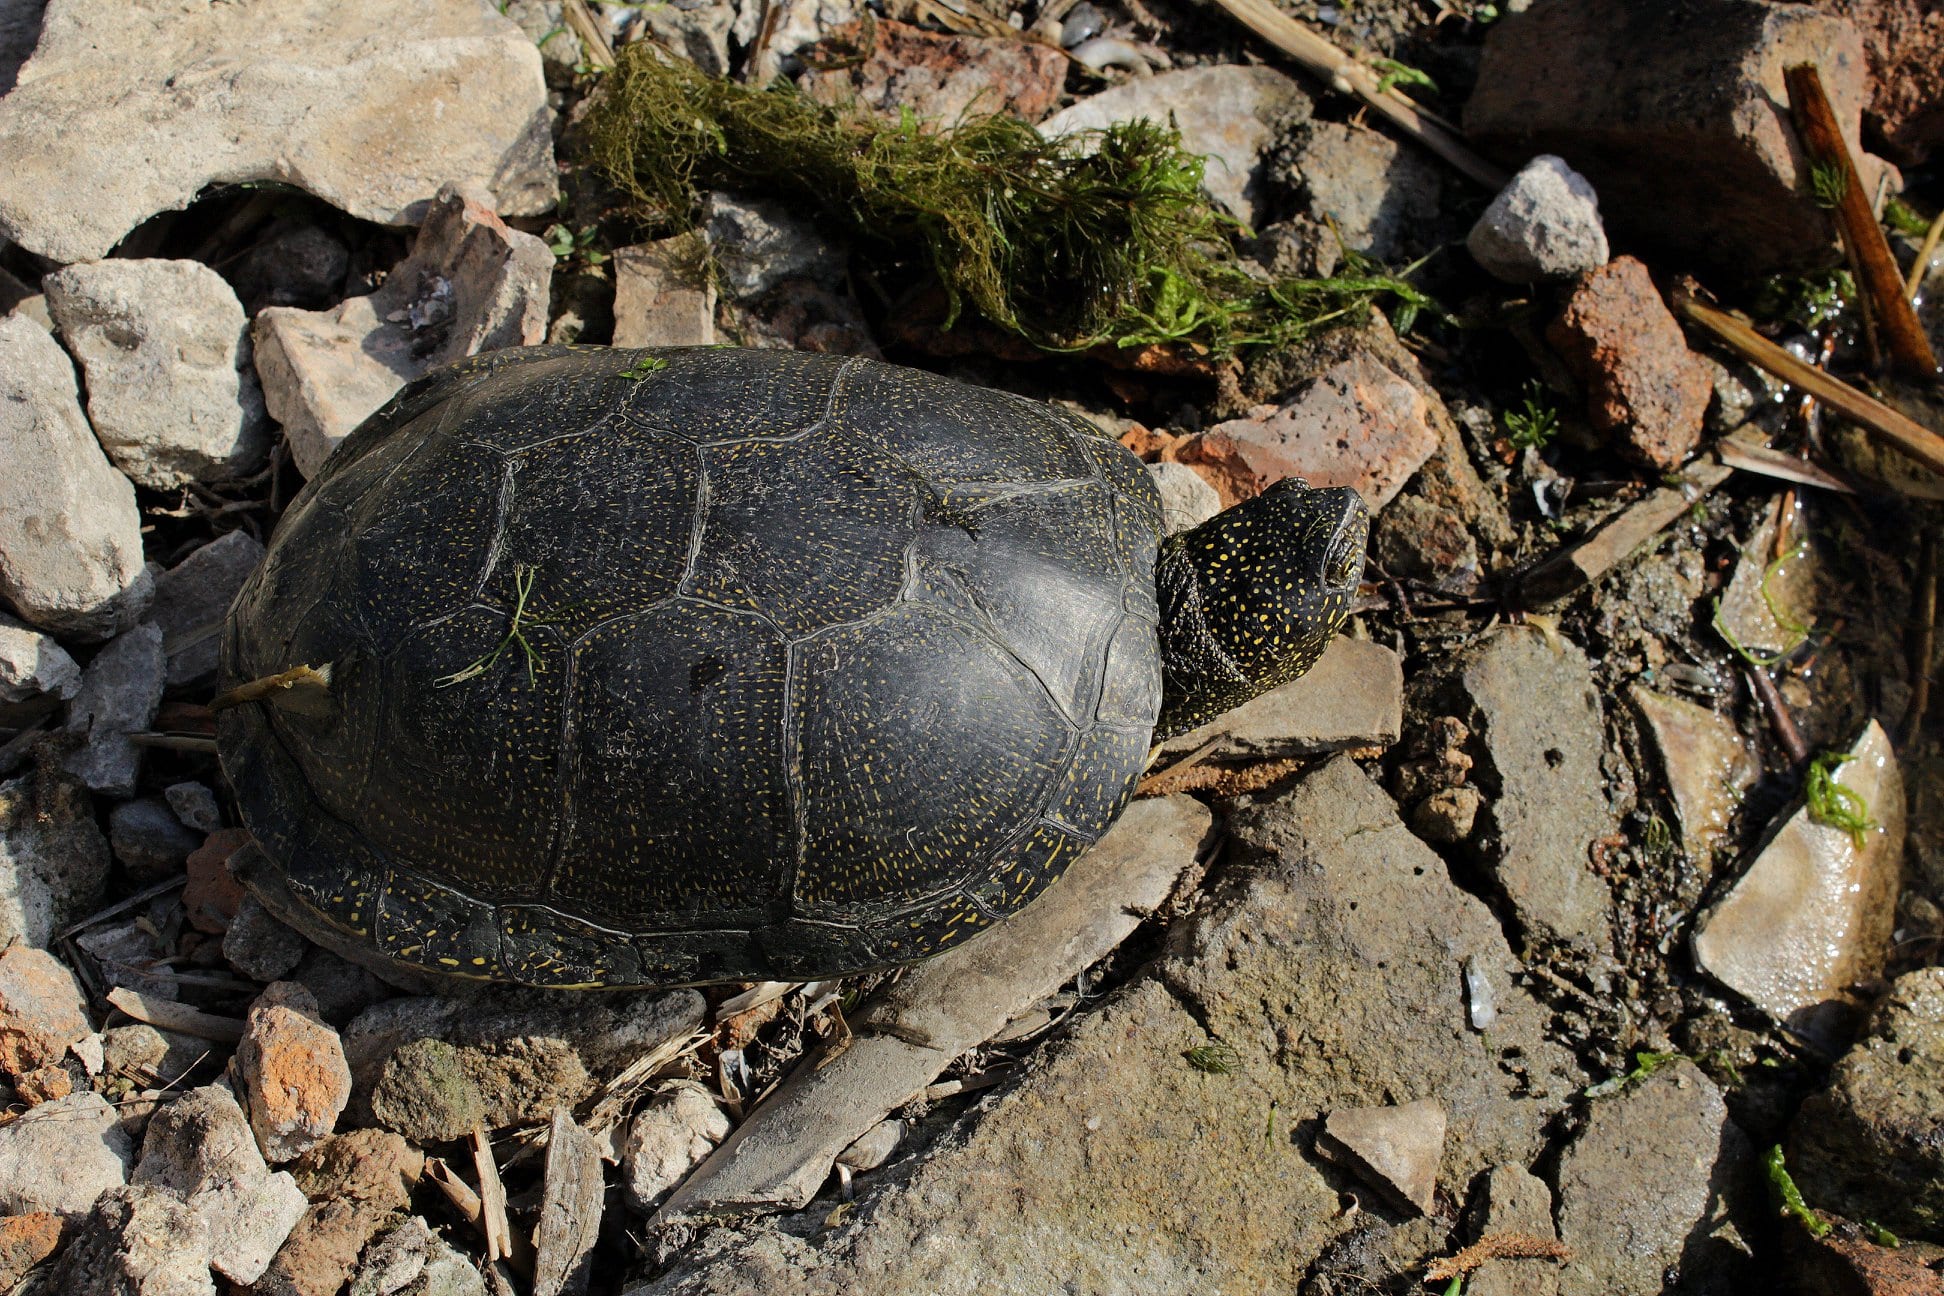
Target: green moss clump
column 1101, row 237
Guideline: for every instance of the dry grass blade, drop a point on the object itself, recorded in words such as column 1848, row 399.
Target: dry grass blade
column 1342, row 72
column 593, row 37
column 180, row 1018
column 1497, row 1246
column 1920, row 268
column 1876, row 269
column 1872, row 415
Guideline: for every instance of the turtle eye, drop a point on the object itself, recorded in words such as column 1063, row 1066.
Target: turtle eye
column 1344, row 557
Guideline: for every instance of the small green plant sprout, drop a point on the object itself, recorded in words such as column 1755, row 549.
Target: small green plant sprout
column 644, row 367
column 515, row 634
column 567, row 245
column 1797, row 631
column 1216, row 1059
column 1882, row 1236
column 1831, row 802
column 1787, row 1196
column 1394, row 74
column 1905, row 219
column 1828, row 182
column 1269, row 1126
column 1646, row 1062
column 1534, row 424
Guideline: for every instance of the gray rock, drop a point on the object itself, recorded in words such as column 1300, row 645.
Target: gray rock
column 560, row 48
column 1353, row 697
column 53, row 858
column 1649, row 1186
column 1540, row 737
column 191, row 600
column 125, row 954
column 1329, row 964
column 1382, row 196
column 149, row 1057
column 471, row 284
column 1187, row 500
column 1545, row 224
column 425, row 1093
column 1708, row 767
column 342, row 988
column 1515, row 1201
column 70, row 538
column 662, row 294
column 1871, row 1145
column 528, row 1052
column 200, row 1148
column 874, row 1147
column 61, row 1155
column 137, row 1241
column 194, row 805
column 166, row 351
column 1813, row 914
column 667, row 1138
column 32, row 664
column 696, row 29
column 125, row 111
column 259, row 946
column 759, row 243
column 148, row 839
column 292, row 264
column 412, row 1260
column 1231, row 114
column 1394, row 1148
column 119, row 694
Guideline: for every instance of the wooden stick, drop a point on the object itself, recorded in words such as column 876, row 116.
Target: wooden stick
column 492, row 1199
column 593, row 40
column 1322, row 59
column 1872, row 415
column 1876, row 269
column 1920, row 268
column 180, row 1018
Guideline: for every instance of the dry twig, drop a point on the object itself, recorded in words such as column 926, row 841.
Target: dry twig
column 1497, row 1246
column 177, row 1017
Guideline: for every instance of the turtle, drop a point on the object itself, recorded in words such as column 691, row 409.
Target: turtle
column 608, row 667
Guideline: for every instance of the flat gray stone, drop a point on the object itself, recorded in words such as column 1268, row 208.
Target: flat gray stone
column 166, row 350
column 1812, row 916
column 258, row 945
column 200, row 1148
column 1187, row 500
column 471, row 284
column 191, row 600
column 193, row 803
column 1231, row 114
column 1545, row 224
column 53, row 858
column 759, row 243
column 1394, row 1148
column 1540, row 738
column 32, row 664
column 662, row 294
column 1649, row 1185
column 1352, row 698
column 1382, row 195
column 148, row 839
column 119, row 694
column 61, row 1155
column 132, row 107
column 70, row 538
column 1708, row 767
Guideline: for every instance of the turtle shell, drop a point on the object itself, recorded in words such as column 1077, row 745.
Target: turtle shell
column 674, row 666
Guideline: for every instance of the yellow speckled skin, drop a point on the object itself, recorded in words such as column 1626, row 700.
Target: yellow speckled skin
column 823, row 665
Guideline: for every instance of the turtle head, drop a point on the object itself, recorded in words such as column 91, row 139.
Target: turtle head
column 1250, row 598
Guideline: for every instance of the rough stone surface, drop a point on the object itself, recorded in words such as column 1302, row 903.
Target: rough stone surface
column 291, row 1072
column 526, row 1052
column 874, row 1147
column 194, row 805
column 356, row 1182
column 569, row 1224
column 412, row 1260
column 939, row 76
column 1649, row 1186
column 259, row 946
column 1396, row 1149
column 470, row 284
column 1539, row 740
column 191, row 600
column 200, row 1148
column 425, row 1093
column 166, row 351
column 1352, row 698
column 666, row 1139
column 759, row 244
column 1645, row 390
column 25, row 1241
column 1233, row 115
column 1904, row 40
column 1416, row 539
column 151, row 1057
column 697, row 29
column 148, row 839
column 61, row 1155
column 53, row 859
column 1187, row 500
column 119, row 694
column 1057, row 1185
column 1513, row 1200
column 138, row 1241
column 31, row 664
column 1871, row 1145
column 1545, row 224
column 662, row 297
column 70, row 538
column 1677, row 114
column 212, row 896
column 131, row 108
column 1708, row 767
column 1356, row 424
column 1813, row 915
column 1381, row 195
column 42, row 1010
